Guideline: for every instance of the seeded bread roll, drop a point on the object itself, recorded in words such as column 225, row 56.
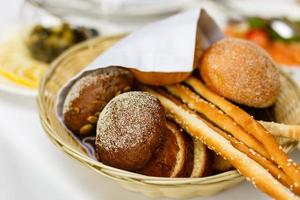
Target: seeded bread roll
column 88, row 96
column 242, row 72
column 129, row 129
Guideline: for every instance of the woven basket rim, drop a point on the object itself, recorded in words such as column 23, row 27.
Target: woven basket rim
column 94, row 164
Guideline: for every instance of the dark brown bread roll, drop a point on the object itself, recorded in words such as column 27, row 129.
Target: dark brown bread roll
column 88, row 96
column 219, row 164
column 178, row 156
column 170, row 157
column 129, row 130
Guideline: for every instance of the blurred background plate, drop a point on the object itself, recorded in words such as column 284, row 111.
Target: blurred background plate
column 112, row 8
column 6, row 85
column 110, row 17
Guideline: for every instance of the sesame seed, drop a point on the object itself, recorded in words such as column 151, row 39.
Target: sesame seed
column 279, row 176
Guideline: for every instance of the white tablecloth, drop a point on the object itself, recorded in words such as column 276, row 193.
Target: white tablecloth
column 31, row 167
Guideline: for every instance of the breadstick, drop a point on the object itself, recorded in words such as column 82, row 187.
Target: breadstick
column 255, row 173
column 213, row 114
column 200, row 105
column 268, row 165
column 284, row 130
column 251, row 126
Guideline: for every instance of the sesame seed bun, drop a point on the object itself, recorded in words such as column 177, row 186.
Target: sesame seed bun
column 241, row 71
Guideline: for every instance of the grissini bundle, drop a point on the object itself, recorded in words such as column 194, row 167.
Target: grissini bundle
column 252, row 127
column 284, row 130
column 214, row 114
column 268, row 165
column 194, row 102
column 254, row 172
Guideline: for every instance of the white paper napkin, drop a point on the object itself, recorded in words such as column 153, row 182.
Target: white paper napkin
column 164, row 46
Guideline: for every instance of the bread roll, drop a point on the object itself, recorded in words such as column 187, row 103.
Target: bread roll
column 88, row 96
column 201, row 163
column 129, row 130
column 169, row 158
column 241, row 71
column 220, row 165
column 159, row 78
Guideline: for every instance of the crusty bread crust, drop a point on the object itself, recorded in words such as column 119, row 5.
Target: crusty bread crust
column 200, row 159
column 160, row 78
column 254, row 172
column 168, row 159
column 241, row 71
column 181, row 154
column 87, row 98
column 129, row 129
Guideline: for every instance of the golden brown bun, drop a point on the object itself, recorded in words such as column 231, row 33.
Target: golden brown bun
column 88, row 96
column 159, row 78
column 201, row 165
column 241, row 71
column 129, row 130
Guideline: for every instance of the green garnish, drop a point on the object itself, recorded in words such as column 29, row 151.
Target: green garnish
column 257, row 22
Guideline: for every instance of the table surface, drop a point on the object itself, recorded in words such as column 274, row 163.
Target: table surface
column 31, row 167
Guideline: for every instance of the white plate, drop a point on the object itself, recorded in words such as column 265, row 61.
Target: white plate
column 7, row 86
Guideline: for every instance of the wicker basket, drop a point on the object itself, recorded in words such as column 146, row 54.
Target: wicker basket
column 72, row 62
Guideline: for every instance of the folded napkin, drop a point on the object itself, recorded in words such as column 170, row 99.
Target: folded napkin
column 164, row 46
